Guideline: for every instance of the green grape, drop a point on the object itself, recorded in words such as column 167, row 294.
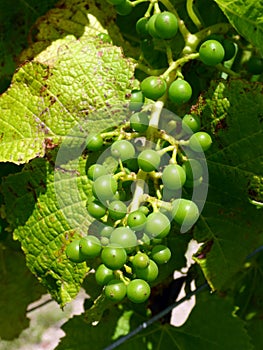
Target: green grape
column 173, row 176
column 255, row 65
column 73, row 252
column 230, row 49
column 144, row 209
column 193, row 169
column 180, row 91
column 104, row 37
column 141, row 27
column 138, row 291
column 184, row 211
column 114, row 256
column 106, row 231
column 166, row 25
column 103, row 275
column 117, row 210
column 104, row 241
column 115, row 2
column 149, row 273
column 200, row 141
column 161, row 254
column 104, row 187
column 124, row 9
column 94, row 142
column 136, row 100
column 125, row 237
column 140, row 260
column 153, row 87
column 95, row 171
column 139, row 121
column 115, row 290
column 149, row 160
column 157, row 225
column 211, row 52
column 90, row 246
column 96, row 209
column 191, row 123
column 122, row 149
column 136, row 220
column 150, row 26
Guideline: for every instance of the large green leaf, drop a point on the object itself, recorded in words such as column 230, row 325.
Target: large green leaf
column 46, row 100
column 211, row 326
column 18, row 289
column 230, row 225
column 43, row 228
column 247, row 17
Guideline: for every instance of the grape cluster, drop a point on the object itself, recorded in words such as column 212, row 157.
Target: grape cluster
column 133, row 220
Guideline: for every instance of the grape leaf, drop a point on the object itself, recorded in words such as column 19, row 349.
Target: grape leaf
column 79, row 19
column 211, row 326
column 79, row 76
column 18, row 289
column 44, row 228
column 77, row 327
column 230, row 225
column 246, row 18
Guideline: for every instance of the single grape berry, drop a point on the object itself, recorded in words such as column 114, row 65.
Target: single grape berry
column 104, row 37
column 157, row 225
column 144, row 209
column 191, row 123
column 96, row 209
column 95, row 171
column 166, row 25
column 103, row 275
column 149, row 160
column 106, row 231
column 161, row 254
column 140, row 260
column 200, row 141
column 104, row 187
column 180, row 91
column 136, row 220
column 117, row 210
column 136, row 100
column 122, row 149
column 90, row 246
column 153, row 87
column 115, row 290
column 94, row 142
column 73, row 252
column 141, row 27
column 211, row 52
column 138, row 291
column 124, row 9
column 184, row 211
column 173, row 176
column 125, row 237
column 114, row 256
column 150, row 26
column 149, row 273
column 139, row 121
